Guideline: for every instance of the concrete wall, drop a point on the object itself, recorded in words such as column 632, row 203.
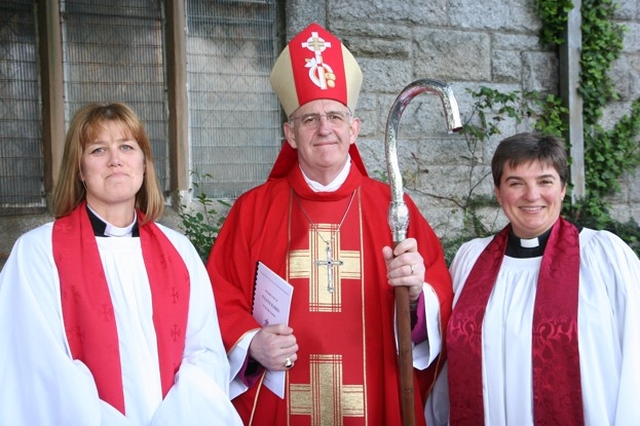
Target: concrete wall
column 467, row 43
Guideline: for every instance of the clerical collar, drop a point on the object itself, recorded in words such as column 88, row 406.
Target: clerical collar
column 102, row 228
column 527, row 247
column 334, row 185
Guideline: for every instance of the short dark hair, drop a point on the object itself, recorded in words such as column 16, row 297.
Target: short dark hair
column 528, row 147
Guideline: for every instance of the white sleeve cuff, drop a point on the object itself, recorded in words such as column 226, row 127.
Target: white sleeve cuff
column 426, row 352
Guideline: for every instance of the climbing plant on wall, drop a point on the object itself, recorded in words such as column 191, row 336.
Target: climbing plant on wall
column 609, row 153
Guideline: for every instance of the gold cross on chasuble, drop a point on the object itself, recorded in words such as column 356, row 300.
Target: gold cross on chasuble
column 311, row 264
column 326, row 399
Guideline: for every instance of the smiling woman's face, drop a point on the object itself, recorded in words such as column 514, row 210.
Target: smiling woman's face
column 112, row 168
column 531, row 196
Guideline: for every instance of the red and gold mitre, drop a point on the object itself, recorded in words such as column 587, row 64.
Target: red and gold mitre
column 315, row 65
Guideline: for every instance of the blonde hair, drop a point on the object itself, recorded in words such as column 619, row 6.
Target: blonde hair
column 69, row 190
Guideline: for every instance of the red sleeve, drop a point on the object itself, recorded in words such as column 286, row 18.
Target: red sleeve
column 231, row 271
column 251, row 232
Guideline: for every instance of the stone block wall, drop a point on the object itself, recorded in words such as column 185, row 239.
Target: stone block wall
column 466, row 43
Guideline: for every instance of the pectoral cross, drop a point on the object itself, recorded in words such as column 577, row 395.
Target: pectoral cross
column 329, row 263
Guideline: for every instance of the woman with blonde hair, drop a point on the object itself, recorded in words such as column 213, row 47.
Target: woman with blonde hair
column 108, row 317
column 70, row 189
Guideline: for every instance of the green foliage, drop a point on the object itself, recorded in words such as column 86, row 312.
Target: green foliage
column 629, row 230
column 554, row 15
column 613, row 152
column 589, row 212
column 608, row 153
column 601, row 45
column 543, row 111
column 552, row 111
column 201, row 222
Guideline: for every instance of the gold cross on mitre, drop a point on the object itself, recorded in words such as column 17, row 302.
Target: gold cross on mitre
column 316, row 44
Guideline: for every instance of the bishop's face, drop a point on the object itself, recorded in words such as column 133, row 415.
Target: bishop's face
column 531, row 196
column 322, row 131
column 112, row 169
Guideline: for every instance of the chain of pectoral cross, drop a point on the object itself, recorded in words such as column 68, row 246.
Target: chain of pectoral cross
column 329, row 262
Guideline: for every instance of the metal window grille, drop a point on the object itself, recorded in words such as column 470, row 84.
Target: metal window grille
column 113, row 52
column 21, row 157
column 235, row 119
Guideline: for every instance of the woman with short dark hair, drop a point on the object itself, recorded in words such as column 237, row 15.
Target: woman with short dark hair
column 546, row 321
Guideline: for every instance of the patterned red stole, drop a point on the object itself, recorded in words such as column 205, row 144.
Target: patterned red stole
column 87, row 309
column 557, row 394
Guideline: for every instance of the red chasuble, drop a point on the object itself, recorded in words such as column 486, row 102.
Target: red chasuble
column 347, row 367
column 557, row 395
column 89, row 320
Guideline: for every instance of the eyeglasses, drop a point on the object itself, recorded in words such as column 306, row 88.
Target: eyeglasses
column 312, row 121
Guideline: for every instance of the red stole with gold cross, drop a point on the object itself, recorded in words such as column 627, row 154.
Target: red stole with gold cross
column 325, row 267
column 557, row 395
column 89, row 318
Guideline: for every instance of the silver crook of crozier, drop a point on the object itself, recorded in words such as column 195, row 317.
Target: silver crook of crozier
column 398, row 212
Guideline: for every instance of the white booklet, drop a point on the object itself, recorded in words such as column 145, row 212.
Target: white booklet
column 271, row 305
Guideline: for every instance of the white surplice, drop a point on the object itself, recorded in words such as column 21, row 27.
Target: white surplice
column 42, row 385
column 608, row 335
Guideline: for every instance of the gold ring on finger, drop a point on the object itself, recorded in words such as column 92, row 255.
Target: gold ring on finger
column 288, row 363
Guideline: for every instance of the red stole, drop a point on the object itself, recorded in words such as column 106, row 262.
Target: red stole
column 557, row 394
column 88, row 311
